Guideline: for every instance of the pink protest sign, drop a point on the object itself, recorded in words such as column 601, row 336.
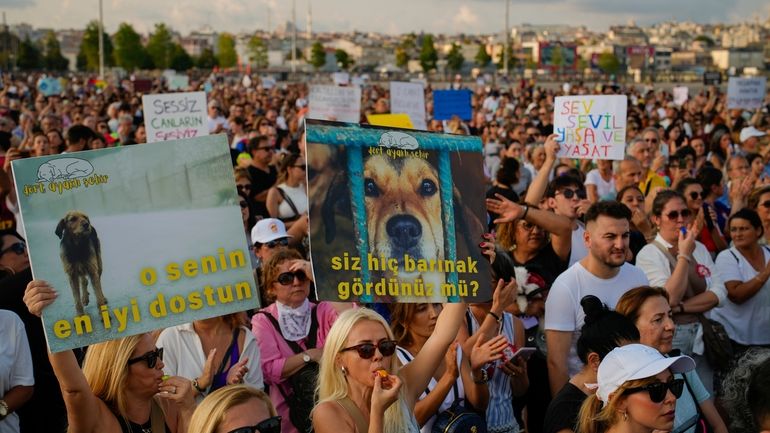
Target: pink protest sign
column 591, row 126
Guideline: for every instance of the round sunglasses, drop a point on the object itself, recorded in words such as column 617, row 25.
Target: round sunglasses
column 568, row 193
column 658, row 390
column 366, row 350
column 287, row 278
column 674, row 214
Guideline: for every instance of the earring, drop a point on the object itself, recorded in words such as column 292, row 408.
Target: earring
column 344, row 370
column 625, row 416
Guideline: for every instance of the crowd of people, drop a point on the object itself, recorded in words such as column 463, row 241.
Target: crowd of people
column 629, row 295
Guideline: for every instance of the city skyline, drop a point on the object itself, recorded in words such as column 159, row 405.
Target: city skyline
column 433, row 16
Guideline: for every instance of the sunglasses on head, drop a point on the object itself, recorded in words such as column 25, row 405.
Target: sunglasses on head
column 150, row 357
column 366, row 350
column 569, row 193
column 270, row 425
column 674, row 215
column 694, row 195
column 287, row 278
column 658, row 390
column 18, row 248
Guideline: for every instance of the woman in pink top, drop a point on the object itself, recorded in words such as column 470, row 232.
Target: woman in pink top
column 283, row 329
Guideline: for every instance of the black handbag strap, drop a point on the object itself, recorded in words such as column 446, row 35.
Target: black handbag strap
column 310, row 340
column 288, row 201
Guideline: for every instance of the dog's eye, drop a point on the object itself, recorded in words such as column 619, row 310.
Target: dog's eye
column 370, row 188
column 428, row 188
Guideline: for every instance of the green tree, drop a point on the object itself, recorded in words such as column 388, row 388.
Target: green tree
column 511, row 58
column 705, row 39
column 482, row 56
column 89, row 48
column 207, row 59
column 52, row 56
column 180, row 59
column 317, row 55
column 29, row 56
column 428, row 54
column 130, row 54
column 402, row 57
column 405, row 50
column 160, row 46
column 608, row 63
column 258, row 52
column 227, row 56
column 343, row 58
column 455, row 58
column 299, row 54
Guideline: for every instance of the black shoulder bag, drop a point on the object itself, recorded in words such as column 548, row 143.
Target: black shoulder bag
column 301, row 400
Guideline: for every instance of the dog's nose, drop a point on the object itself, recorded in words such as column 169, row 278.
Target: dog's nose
column 404, row 230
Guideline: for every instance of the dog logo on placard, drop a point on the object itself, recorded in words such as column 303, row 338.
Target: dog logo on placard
column 398, row 140
column 63, row 169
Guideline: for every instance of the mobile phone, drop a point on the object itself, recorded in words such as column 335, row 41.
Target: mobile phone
column 707, row 216
column 525, row 353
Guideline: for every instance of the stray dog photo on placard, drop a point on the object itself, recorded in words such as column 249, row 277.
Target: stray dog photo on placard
column 388, row 221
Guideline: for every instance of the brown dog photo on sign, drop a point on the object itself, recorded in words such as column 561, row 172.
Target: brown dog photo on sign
column 81, row 257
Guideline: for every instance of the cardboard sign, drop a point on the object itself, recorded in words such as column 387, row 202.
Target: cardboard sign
column 591, row 126
column 409, row 98
column 392, row 120
column 174, row 116
column 178, row 82
column 153, row 233
column 448, row 103
column 746, row 93
column 142, row 85
column 49, row 86
column 341, row 78
column 712, row 78
column 342, row 104
column 396, row 216
column 681, row 94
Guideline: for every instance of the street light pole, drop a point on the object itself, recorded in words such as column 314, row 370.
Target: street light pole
column 505, row 45
column 101, row 42
column 294, row 36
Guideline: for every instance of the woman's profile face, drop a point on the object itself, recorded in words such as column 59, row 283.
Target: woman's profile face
column 423, row 321
column 656, row 328
column 648, row 415
column 247, row 414
column 694, row 196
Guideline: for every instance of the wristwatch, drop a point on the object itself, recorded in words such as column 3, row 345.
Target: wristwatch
column 4, row 410
column 305, row 357
column 197, row 386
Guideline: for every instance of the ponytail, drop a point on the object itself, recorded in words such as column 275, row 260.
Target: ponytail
column 589, row 418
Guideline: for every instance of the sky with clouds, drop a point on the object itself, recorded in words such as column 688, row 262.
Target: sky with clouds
column 388, row 16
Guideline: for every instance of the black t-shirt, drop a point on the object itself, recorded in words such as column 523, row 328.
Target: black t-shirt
column 546, row 264
column 261, row 181
column 563, row 411
column 505, row 192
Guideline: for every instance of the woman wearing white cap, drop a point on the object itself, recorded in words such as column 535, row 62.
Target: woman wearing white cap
column 637, row 392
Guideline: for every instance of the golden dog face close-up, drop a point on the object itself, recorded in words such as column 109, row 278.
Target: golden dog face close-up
column 403, row 208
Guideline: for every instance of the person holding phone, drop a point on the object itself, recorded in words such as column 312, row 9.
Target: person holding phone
column 710, row 235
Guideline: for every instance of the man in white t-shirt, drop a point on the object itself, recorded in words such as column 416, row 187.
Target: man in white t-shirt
column 603, row 273
column 16, row 379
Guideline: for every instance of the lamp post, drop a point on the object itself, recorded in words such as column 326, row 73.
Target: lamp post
column 505, row 45
column 101, row 42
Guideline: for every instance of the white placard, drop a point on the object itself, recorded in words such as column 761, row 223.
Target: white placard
column 173, row 116
column 178, row 82
column 748, row 93
column 341, row 78
column 409, row 98
column 342, row 104
column 591, row 126
column 681, row 95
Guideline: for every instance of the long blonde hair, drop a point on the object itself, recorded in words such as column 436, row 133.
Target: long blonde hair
column 106, row 370
column 212, row 410
column 594, row 418
column 332, row 382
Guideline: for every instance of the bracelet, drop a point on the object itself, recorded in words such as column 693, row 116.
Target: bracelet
column 497, row 318
column 197, row 386
column 484, row 377
column 682, row 256
column 526, row 210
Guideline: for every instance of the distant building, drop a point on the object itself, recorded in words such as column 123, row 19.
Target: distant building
column 728, row 58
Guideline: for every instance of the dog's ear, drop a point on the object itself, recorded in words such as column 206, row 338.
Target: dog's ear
column 60, row 228
column 337, row 198
column 466, row 223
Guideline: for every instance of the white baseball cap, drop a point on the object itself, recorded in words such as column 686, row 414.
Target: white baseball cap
column 268, row 229
column 632, row 362
column 749, row 132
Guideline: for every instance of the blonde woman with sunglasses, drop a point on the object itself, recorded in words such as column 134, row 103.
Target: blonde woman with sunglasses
column 236, row 409
column 121, row 388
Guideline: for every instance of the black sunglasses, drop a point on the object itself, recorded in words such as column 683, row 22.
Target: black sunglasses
column 151, row 357
column 694, row 195
column 18, row 248
column 569, row 193
column 283, row 242
column 658, row 390
column 765, row 204
column 674, row 215
column 287, row 278
column 366, row 350
column 270, row 425
column 243, row 187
